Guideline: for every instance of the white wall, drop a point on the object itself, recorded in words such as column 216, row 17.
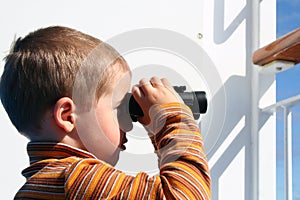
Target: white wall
column 242, row 161
column 219, row 63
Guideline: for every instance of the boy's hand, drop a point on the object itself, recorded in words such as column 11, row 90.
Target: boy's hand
column 152, row 92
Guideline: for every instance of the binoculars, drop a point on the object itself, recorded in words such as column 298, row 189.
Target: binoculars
column 195, row 100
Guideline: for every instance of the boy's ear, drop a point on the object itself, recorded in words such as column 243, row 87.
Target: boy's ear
column 64, row 115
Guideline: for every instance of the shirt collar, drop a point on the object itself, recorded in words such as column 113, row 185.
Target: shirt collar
column 38, row 151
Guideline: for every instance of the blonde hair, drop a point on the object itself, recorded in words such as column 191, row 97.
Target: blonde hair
column 43, row 66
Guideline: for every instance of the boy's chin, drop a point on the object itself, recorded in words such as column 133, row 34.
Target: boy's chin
column 115, row 157
column 122, row 147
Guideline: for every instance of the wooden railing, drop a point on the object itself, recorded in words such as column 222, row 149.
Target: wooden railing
column 286, row 51
column 286, row 48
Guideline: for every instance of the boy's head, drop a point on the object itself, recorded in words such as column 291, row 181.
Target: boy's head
column 42, row 67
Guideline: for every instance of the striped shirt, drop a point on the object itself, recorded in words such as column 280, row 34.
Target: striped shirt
column 59, row 171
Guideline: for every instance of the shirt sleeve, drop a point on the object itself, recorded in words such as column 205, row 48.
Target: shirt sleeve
column 184, row 172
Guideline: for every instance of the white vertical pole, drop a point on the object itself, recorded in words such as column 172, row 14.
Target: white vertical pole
column 255, row 5
column 288, row 187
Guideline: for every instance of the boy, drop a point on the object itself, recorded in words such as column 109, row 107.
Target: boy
column 64, row 90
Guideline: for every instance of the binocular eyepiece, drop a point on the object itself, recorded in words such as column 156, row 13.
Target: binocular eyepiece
column 196, row 100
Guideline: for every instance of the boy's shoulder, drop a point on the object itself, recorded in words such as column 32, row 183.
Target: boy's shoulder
column 51, row 159
column 40, row 152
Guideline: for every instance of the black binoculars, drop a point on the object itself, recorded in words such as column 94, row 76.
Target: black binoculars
column 196, row 100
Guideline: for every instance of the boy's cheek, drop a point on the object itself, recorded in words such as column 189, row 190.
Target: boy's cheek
column 115, row 117
column 101, row 128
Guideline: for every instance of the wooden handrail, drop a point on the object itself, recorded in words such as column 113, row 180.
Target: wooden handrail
column 286, row 48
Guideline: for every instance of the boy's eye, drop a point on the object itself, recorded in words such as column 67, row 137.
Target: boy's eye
column 121, row 105
column 117, row 106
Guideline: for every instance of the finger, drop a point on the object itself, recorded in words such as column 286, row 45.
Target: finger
column 156, row 82
column 144, row 82
column 136, row 92
column 167, row 84
column 145, row 86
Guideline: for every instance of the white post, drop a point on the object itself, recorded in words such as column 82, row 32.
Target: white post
column 263, row 92
column 255, row 13
column 288, row 187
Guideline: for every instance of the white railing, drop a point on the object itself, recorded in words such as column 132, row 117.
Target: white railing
column 286, row 105
column 281, row 55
